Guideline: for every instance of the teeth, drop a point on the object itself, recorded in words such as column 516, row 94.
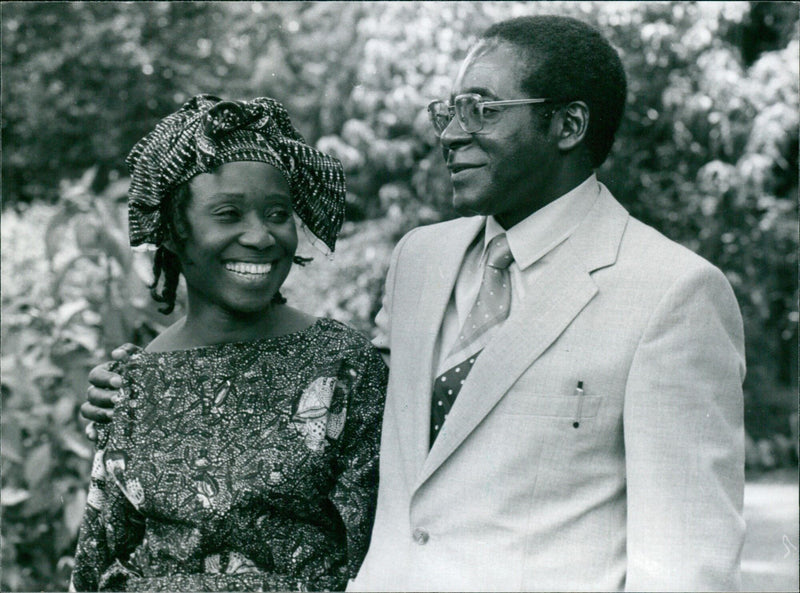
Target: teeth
column 248, row 268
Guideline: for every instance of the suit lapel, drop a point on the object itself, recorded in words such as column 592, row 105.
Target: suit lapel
column 565, row 288
column 444, row 252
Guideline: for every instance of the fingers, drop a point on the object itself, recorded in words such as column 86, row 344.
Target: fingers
column 91, row 432
column 104, row 391
column 103, row 398
column 96, row 413
column 124, row 352
column 102, row 378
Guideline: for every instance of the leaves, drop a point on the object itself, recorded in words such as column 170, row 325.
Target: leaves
column 10, row 497
column 707, row 153
column 73, row 511
column 37, row 465
column 65, row 303
column 11, row 442
column 77, row 444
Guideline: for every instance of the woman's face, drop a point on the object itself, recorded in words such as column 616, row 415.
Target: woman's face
column 242, row 237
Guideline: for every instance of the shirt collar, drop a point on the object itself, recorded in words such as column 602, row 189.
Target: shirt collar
column 535, row 236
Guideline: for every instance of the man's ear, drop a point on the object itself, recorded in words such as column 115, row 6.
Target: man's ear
column 574, row 119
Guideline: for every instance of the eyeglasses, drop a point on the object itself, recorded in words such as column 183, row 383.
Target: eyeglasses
column 470, row 111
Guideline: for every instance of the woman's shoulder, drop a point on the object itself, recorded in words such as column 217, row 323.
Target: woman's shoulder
column 347, row 342
column 341, row 331
column 319, row 338
column 358, row 364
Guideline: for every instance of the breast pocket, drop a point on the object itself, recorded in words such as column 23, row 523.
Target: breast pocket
column 526, row 403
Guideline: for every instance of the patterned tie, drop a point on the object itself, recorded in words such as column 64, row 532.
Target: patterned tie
column 491, row 307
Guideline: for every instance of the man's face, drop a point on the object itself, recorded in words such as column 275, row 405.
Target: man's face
column 505, row 168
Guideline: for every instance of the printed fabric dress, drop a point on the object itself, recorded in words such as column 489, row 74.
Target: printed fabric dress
column 244, row 466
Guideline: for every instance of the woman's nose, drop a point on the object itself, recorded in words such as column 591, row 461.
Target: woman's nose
column 256, row 233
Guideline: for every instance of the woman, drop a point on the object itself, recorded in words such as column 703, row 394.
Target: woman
column 243, row 453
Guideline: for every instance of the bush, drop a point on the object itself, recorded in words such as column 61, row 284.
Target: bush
column 707, row 153
column 72, row 291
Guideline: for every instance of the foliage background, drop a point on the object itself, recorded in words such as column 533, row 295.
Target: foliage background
column 707, row 153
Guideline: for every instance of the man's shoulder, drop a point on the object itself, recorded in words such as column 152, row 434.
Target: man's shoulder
column 438, row 231
column 612, row 240
column 445, row 225
column 658, row 264
column 642, row 242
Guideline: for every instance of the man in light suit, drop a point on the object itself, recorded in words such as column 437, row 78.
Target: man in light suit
column 588, row 435
column 597, row 440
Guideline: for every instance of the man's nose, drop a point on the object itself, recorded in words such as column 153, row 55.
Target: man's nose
column 256, row 233
column 453, row 135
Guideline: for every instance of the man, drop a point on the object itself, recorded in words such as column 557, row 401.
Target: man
column 564, row 408
column 597, row 441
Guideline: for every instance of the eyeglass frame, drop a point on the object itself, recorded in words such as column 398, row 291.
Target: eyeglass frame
column 451, row 108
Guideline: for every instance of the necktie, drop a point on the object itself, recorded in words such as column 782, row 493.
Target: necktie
column 491, row 307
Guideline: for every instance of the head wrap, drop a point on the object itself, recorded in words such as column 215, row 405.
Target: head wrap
column 207, row 132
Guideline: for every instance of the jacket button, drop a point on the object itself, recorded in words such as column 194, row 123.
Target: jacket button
column 420, row 536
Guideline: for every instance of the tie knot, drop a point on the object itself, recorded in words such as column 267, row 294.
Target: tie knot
column 499, row 253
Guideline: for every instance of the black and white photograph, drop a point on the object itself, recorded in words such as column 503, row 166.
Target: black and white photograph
column 399, row 296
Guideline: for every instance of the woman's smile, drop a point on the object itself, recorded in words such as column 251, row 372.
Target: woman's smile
column 248, row 268
column 249, row 274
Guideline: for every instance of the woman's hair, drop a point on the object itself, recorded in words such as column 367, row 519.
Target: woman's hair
column 166, row 264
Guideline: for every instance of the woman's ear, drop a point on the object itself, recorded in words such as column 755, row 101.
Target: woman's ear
column 170, row 245
column 574, row 123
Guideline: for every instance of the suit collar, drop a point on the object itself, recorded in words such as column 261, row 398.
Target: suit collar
column 566, row 288
column 539, row 233
column 597, row 239
column 447, row 251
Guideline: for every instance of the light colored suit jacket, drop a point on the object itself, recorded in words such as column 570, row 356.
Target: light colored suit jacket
column 646, row 494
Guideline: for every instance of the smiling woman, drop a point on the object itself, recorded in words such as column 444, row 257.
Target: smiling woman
column 242, row 454
column 234, row 248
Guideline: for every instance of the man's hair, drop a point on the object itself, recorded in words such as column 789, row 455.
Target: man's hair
column 568, row 60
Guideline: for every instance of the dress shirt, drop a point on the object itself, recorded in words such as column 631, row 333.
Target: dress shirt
column 531, row 240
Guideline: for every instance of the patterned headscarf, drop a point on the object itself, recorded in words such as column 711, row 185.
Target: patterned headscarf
column 207, row 132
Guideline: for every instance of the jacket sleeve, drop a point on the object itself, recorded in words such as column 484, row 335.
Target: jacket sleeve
column 684, row 441
column 383, row 320
column 356, row 489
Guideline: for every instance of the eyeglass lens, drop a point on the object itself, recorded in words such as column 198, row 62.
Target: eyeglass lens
column 441, row 115
column 470, row 114
column 467, row 109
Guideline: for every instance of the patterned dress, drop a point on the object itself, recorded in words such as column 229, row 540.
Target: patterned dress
column 242, row 466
